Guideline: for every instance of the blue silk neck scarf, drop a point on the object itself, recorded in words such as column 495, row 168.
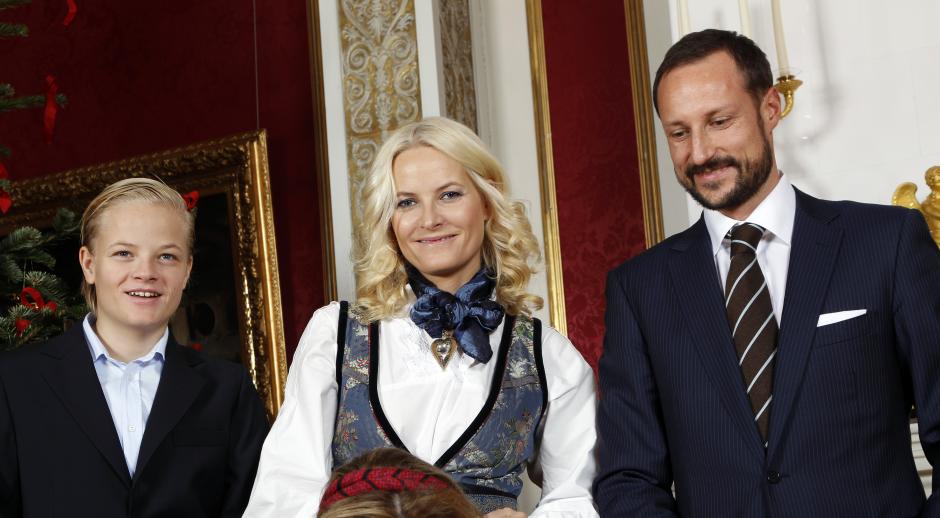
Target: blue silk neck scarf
column 469, row 313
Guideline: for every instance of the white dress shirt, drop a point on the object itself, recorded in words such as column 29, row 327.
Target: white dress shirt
column 776, row 214
column 296, row 458
column 129, row 389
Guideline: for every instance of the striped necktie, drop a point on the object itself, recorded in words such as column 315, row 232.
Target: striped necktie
column 751, row 317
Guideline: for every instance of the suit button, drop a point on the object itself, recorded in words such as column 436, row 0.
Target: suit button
column 773, row 477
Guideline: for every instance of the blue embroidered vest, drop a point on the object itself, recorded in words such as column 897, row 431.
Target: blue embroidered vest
column 489, row 457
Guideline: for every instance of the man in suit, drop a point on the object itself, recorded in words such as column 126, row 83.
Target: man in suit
column 764, row 362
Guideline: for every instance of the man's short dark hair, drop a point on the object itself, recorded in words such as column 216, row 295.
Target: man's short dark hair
column 750, row 59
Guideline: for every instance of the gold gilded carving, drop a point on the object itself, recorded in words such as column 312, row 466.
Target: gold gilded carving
column 905, row 196
column 460, row 98
column 643, row 118
column 543, row 140
column 237, row 167
column 380, row 79
column 320, row 143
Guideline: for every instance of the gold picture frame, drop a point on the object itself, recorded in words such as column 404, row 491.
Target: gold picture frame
column 234, row 167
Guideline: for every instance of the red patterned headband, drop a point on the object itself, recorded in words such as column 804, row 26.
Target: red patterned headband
column 380, row 479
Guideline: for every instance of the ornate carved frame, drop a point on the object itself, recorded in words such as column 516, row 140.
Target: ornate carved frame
column 236, row 166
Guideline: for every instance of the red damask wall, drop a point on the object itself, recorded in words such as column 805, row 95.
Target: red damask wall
column 595, row 156
column 148, row 76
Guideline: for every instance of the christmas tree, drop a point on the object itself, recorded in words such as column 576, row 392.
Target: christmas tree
column 35, row 304
column 38, row 304
column 8, row 98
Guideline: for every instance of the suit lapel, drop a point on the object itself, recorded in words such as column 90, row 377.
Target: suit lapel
column 695, row 278
column 71, row 374
column 815, row 245
column 179, row 386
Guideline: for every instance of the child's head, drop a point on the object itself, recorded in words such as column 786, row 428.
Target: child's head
column 392, row 483
column 136, row 254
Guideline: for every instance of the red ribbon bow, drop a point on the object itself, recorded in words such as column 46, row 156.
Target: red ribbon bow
column 21, row 325
column 51, row 108
column 36, row 303
column 71, row 14
column 191, row 198
column 5, row 201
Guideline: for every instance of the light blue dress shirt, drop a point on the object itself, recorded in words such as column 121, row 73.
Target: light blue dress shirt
column 129, row 389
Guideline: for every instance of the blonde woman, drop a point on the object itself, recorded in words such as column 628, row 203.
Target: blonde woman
column 113, row 417
column 438, row 355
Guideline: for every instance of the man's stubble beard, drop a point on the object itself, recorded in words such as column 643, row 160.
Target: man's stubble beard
column 751, row 177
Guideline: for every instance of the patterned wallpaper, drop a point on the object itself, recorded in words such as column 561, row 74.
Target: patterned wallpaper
column 594, row 148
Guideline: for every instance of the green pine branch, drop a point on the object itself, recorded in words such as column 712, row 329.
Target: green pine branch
column 26, row 262
column 20, row 239
column 8, row 4
column 29, row 101
column 49, row 285
column 10, row 270
column 13, row 30
column 65, row 224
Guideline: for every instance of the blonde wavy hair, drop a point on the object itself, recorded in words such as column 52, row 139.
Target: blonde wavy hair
column 509, row 246
column 124, row 191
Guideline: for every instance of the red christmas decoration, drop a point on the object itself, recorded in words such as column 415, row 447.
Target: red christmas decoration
column 31, row 298
column 51, row 108
column 31, row 293
column 21, row 326
column 191, row 198
column 71, row 14
column 196, row 346
column 5, row 201
column 4, row 174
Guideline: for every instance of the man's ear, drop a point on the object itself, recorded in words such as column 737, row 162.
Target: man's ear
column 770, row 108
column 87, row 260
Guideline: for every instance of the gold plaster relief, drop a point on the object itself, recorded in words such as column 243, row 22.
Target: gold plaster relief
column 380, row 80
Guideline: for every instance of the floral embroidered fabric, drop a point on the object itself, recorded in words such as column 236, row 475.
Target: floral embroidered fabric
column 488, row 459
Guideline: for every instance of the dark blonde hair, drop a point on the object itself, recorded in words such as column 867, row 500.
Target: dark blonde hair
column 125, row 191
column 510, row 249
column 446, row 500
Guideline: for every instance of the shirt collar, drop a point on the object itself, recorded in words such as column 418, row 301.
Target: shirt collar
column 98, row 350
column 776, row 214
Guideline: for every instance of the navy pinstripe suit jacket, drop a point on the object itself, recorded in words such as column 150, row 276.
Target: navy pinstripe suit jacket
column 673, row 407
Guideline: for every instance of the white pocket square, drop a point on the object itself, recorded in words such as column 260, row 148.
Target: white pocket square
column 831, row 318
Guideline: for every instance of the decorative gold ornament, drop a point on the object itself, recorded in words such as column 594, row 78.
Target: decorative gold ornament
column 543, row 141
column 643, row 118
column 460, row 98
column 904, row 196
column 787, row 86
column 443, row 348
column 381, row 90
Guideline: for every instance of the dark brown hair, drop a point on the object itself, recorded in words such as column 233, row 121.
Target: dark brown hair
column 695, row 46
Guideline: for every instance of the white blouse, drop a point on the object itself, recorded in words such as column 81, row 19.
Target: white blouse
column 296, row 458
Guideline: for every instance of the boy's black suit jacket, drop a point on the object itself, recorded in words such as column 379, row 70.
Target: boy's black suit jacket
column 60, row 454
